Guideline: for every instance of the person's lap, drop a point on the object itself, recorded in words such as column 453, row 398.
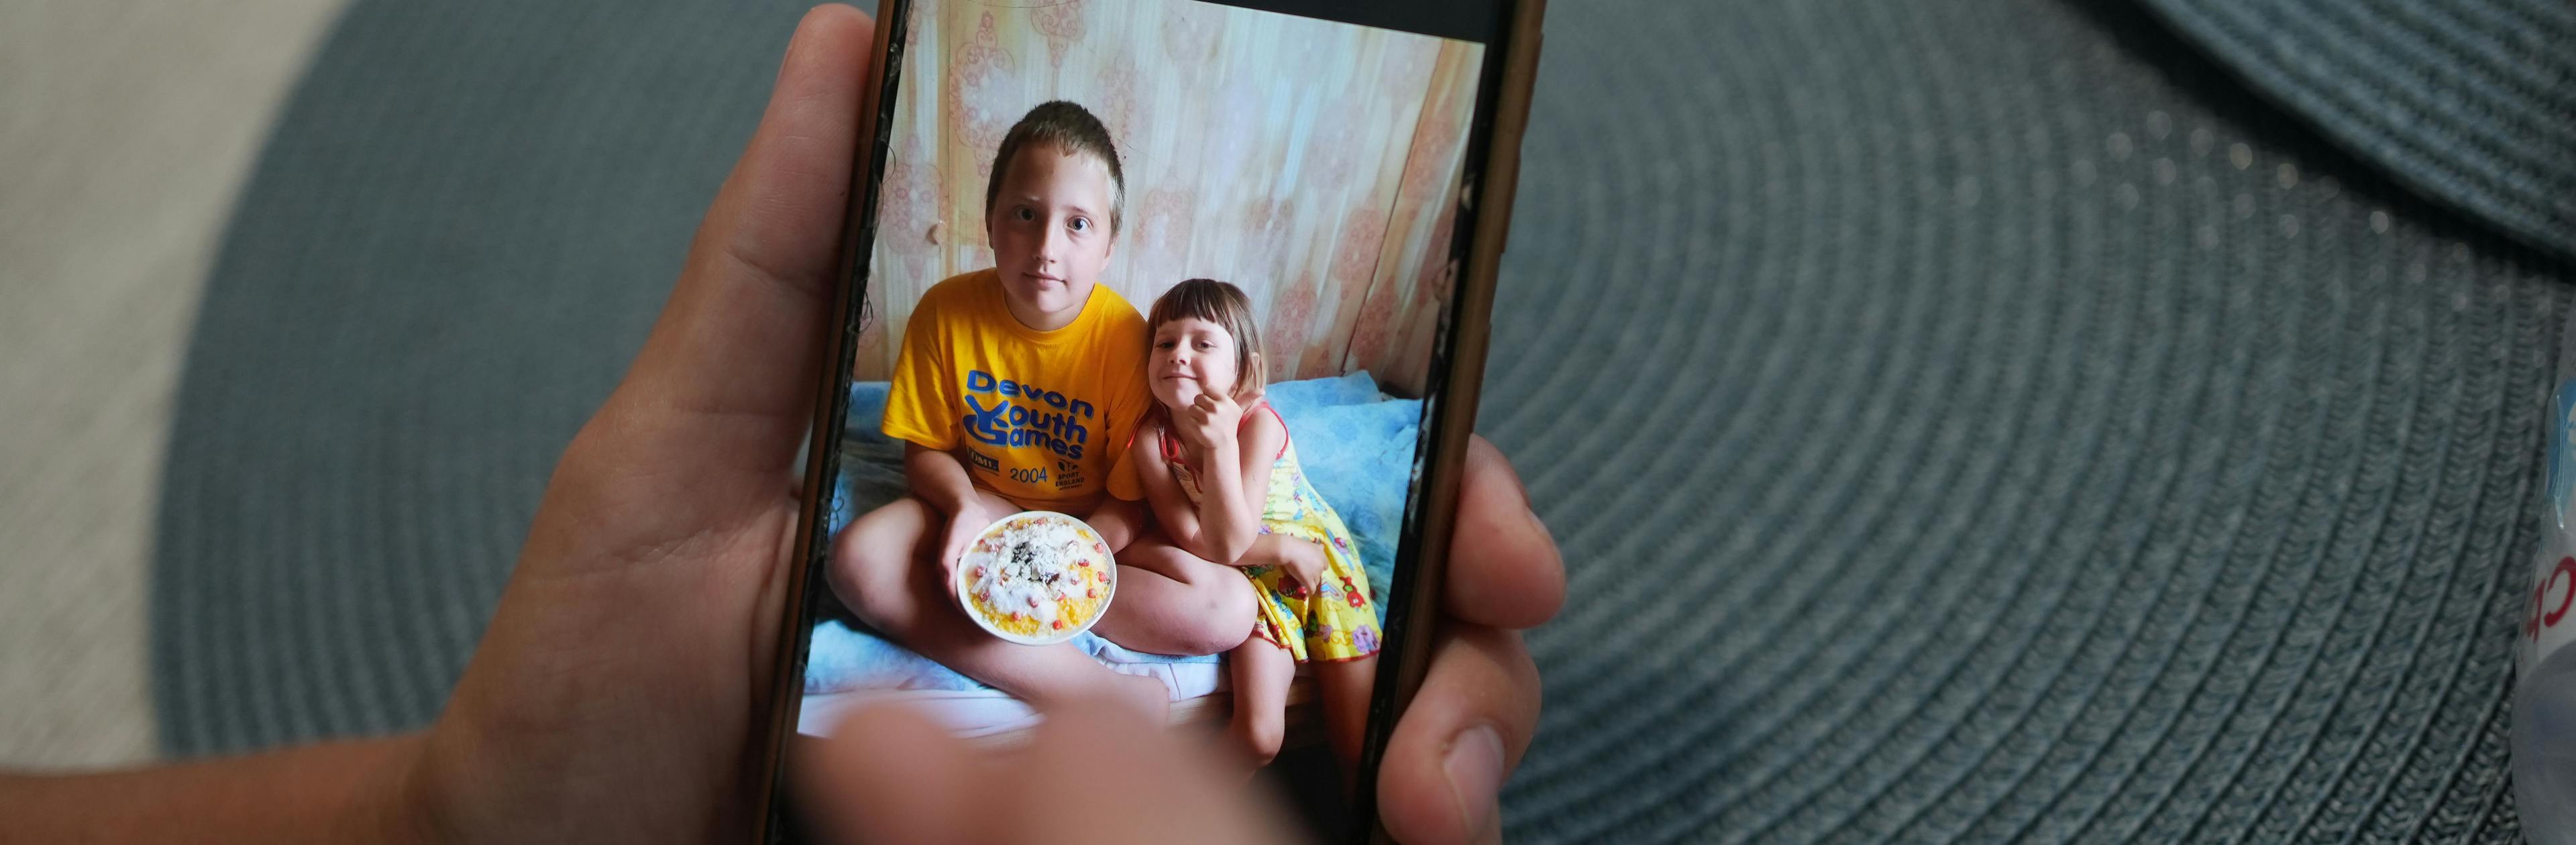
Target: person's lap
column 882, row 569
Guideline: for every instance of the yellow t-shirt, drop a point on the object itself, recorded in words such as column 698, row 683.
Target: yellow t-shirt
column 1039, row 417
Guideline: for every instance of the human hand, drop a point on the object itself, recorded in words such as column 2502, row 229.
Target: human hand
column 617, row 694
column 963, row 527
column 1455, row 744
column 1209, row 424
column 890, row 774
column 1301, row 560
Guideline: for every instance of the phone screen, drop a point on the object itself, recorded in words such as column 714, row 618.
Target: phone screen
column 1155, row 302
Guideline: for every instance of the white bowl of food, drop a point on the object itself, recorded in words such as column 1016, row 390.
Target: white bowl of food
column 1036, row 578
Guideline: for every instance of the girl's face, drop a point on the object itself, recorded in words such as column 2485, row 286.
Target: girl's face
column 1191, row 357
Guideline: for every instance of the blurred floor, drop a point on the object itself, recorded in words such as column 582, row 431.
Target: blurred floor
column 125, row 130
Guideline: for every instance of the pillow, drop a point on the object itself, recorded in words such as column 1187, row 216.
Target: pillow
column 1348, row 451
column 1348, row 389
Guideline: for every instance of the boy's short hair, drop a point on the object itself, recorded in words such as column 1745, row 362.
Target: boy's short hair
column 1071, row 128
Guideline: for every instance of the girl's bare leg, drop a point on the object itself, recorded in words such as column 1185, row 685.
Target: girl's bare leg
column 1344, row 687
column 1262, row 672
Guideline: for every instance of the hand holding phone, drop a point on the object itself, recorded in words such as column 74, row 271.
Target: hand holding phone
column 606, row 701
column 653, row 572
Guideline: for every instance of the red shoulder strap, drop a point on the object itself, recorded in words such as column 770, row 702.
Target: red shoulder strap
column 1283, row 430
column 1172, row 452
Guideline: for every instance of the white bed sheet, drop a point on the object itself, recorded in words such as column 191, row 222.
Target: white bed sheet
column 987, row 712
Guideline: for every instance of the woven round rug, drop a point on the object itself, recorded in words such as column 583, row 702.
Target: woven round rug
column 1965, row 420
column 2470, row 101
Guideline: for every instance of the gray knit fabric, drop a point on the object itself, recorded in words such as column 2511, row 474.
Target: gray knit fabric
column 1965, row 420
column 2471, row 101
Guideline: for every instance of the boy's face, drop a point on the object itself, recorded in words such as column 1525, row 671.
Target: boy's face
column 1050, row 229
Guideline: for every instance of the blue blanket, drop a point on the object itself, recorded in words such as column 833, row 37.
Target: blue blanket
column 1347, row 434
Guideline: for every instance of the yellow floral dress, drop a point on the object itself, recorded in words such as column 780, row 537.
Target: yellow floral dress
column 1331, row 623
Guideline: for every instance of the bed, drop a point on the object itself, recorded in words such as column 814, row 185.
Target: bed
column 1348, row 434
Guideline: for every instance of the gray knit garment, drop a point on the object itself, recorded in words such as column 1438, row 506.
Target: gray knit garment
column 1964, row 419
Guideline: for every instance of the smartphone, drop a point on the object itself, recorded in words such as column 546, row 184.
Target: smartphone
column 1087, row 239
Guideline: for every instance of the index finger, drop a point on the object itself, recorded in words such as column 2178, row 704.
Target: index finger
column 1504, row 567
column 892, row 771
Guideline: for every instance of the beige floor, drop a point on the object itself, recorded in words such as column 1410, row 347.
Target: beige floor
column 126, row 129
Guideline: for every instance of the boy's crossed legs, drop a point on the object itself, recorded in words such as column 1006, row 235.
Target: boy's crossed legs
column 883, row 570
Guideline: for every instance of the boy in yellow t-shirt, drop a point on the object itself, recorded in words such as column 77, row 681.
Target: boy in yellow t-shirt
column 1037, row 416
column 1017, row 388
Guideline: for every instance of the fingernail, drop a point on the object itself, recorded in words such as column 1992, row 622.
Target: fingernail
column 1475, row 769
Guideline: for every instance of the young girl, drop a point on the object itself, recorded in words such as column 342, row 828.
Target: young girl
column 1215, row 464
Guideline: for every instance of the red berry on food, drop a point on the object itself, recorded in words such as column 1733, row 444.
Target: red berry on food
column 1059, row 624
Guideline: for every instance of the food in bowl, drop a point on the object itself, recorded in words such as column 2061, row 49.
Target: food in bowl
column 1036, row 577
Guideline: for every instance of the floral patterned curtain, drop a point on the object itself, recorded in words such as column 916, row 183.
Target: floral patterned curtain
column 1310, row 162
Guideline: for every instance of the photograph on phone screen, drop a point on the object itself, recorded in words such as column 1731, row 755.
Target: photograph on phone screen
column 1153, row 300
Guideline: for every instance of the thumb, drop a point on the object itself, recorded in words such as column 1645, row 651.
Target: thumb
column 720, row 392
column 892, row 772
